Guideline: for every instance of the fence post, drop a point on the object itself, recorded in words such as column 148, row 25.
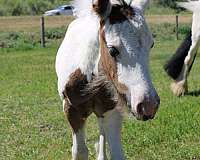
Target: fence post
column 42, row 33
column 177, row 21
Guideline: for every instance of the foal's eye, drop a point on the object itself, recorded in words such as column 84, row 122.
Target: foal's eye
column 113, row 51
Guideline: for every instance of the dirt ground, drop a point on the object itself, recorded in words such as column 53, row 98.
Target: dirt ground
column 32, row 23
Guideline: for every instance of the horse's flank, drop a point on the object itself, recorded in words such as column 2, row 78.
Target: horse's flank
column 179, row 66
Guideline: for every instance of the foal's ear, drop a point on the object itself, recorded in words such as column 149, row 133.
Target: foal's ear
column 141, row 4
column 102, row 8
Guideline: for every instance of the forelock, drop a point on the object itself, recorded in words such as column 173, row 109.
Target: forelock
column 120, row 13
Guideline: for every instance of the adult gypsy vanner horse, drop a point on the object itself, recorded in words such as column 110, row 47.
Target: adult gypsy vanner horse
column 180, row 64
column 102, row 65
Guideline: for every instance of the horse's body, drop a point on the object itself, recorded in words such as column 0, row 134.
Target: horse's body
column 102, row 65
column 179, row 66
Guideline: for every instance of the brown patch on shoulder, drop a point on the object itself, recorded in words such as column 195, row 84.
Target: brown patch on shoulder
column 77, row 107
column 77, row 82
column 120, row 13
column 76, row 115
column 75, row 79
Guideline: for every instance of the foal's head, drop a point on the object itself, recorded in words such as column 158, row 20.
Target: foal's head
column 125, row 43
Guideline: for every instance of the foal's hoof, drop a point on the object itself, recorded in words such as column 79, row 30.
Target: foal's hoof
column 179, row 88
column 100, row 156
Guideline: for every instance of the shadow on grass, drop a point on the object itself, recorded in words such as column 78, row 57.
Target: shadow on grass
column 194, row 93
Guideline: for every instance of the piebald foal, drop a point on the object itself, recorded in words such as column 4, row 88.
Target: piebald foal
column 102, row 65
column 179, row 66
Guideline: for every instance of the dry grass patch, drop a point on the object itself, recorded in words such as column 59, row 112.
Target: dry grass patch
column 32, row 23
column 159, row 19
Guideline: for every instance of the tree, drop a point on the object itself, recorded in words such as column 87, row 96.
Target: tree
column 169, row 3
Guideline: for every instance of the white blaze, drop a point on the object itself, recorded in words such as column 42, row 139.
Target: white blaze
column 133, row 40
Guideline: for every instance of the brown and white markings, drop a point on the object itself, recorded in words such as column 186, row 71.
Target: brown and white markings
column 180, row 64
column 102, row 65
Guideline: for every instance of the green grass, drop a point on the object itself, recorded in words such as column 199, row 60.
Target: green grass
column 32, row 124
column 155, row 9
column 27, row 40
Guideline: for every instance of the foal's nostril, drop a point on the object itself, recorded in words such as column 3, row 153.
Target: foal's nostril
column 147, row 108
column 145, row 118
column 140, row 108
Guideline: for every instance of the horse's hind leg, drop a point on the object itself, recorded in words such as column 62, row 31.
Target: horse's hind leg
column 77, row 122
column 179, row 87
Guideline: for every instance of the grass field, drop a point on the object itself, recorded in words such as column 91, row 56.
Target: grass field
column 32, row 124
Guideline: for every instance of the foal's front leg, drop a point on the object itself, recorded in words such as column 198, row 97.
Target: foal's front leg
column 101, row 145
column 77, row 122
column 111, row 123
column 79, row 149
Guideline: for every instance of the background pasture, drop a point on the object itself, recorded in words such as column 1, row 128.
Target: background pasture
column 32, row 124
column 33, row 7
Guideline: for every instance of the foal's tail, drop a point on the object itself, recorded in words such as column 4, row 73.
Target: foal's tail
column 175, row 64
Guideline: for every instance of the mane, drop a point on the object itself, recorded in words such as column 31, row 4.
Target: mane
column 83, row 8
column 120, row 13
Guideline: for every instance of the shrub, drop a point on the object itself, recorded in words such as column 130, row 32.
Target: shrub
column 184, row 29
column 167, row 31
column 169, row 3
column 55, row 33
column 29, row 40
column 28, row 7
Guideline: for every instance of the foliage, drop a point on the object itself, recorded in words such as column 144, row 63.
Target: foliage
column 55, row 33
column 169, row 3
column 167, row 31
column 28, row 7
column 18, row 40
column 157, row 9
column 28, row 40
column 35, row 7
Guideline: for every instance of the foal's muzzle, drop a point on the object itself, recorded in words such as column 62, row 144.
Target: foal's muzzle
column 146, row 108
